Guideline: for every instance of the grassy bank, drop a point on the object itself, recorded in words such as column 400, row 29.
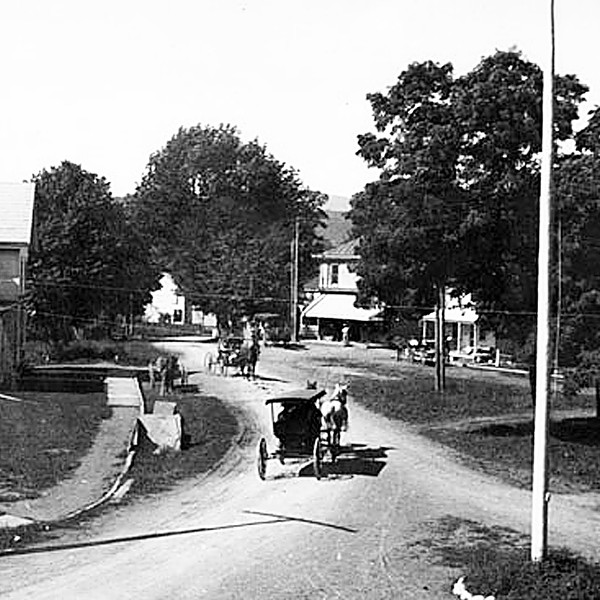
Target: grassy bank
column 487, row 418
column 43, row 438
column 495, row 561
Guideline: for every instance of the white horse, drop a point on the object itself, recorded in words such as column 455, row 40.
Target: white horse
column 334, row 414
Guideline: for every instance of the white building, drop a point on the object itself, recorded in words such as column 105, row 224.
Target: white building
column 169, row 306
column 333, row 305
column 168, row 303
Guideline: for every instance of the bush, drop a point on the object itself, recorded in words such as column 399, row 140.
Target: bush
column 135, row 353
column 87, row 350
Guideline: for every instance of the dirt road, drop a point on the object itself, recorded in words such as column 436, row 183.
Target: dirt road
column 230, row 535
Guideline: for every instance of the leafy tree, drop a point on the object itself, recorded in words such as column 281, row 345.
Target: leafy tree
column 87, row 263
column 457, row 198
column 219, row 215
column 577, row 185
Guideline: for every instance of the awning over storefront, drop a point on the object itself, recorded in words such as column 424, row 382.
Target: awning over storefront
column 339, row 306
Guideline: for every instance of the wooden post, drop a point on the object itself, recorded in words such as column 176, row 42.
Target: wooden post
column 440, row 370
column 539, row 501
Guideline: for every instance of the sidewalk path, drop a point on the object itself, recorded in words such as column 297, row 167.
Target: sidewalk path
column 92, row 479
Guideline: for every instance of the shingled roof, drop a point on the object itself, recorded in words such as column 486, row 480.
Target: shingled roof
column 16, row 207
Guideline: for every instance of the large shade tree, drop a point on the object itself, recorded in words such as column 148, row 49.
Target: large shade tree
column 219, row 214
column 577, row 185
column 456, row 202
column 87, row 266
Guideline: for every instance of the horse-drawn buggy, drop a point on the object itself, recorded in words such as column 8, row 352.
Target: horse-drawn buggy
column 233, row 352
column 305, row 425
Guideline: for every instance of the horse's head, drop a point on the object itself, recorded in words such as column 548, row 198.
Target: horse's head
column 340, row 392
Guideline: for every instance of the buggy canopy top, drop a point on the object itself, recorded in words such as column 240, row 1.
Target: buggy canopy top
column 297, row 396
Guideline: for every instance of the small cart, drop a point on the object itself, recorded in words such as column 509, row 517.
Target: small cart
column 229, row 354
column 297, row 425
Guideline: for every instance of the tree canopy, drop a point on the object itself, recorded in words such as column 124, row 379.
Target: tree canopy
column 457, row 199
column 87, row 264
column 219, row 215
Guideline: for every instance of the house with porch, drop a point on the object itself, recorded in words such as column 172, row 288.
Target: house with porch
column 16, row 204
column 332, row 307
column 463, row 331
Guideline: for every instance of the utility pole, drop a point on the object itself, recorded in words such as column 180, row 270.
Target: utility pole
column 539, row 503
column 440, row 367
column 294, row 280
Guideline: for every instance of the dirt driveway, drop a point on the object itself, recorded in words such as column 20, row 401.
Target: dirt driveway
column 359, row 533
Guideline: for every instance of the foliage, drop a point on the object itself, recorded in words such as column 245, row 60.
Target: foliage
column 457, row 197
column 136, row 353
column 219, row 215
column 577, row 184
column 87, row 264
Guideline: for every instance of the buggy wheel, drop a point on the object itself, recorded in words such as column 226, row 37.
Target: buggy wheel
column 210, row 362
column 261, row 458
column 317, row 459
column 220, row 365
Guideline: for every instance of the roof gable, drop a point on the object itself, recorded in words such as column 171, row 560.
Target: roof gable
column 16, row 204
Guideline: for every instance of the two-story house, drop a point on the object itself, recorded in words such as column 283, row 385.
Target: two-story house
column 16, row 204
column 333, row 304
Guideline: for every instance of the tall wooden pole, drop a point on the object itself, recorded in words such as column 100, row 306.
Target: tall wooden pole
column 295, row 279
column 539, row 504
column 440, row 367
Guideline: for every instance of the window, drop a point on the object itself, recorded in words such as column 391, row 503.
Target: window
column 334, row 275
column 177, row 316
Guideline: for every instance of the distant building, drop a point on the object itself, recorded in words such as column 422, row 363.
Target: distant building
column 463, row 331
column 169, row 306
column 168, row 303
column 333, row 303
column 16, row 204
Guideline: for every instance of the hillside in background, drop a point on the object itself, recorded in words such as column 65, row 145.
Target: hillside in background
column 337, row 230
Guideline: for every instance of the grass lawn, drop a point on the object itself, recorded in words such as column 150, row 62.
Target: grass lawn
column 486, row 417
column 43, row 438
column 496, row 562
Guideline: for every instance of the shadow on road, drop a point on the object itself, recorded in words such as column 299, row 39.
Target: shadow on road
column 281, row 518
column 353, row 460
column 273, row 519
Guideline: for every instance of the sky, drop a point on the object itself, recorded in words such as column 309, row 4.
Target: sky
column 105, row 84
